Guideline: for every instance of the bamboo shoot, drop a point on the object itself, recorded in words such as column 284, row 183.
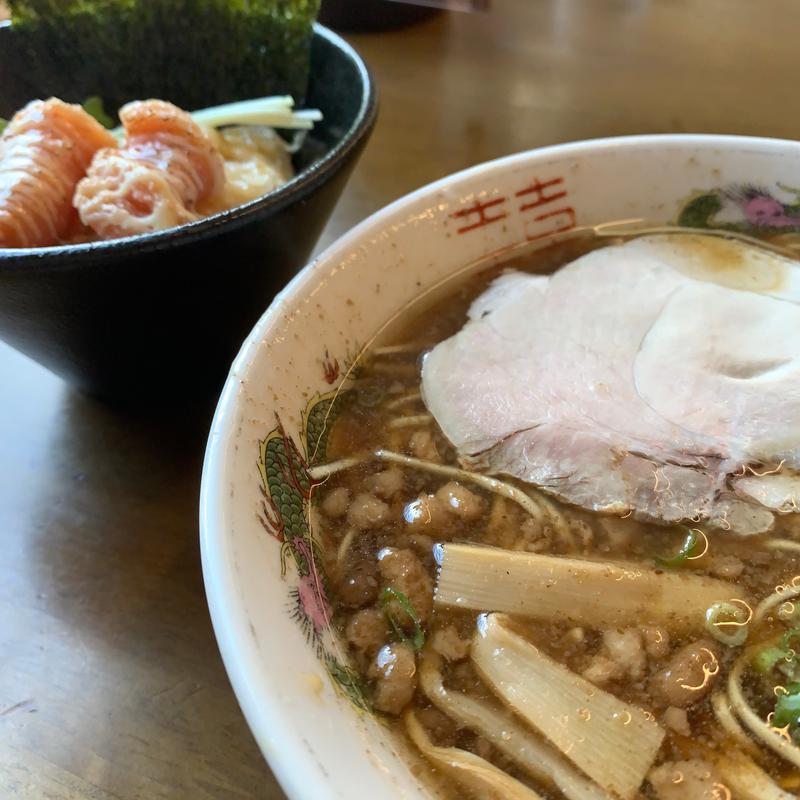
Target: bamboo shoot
column 574, row 591
column 510, row 736
column 482, row 778
column 613, row 742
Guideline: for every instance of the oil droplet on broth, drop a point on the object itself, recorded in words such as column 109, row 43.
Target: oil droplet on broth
column 786, row 610
column 622, row 716
column 728, row 262
column 721, row 792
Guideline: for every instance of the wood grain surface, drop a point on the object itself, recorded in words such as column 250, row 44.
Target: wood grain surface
column 110, row 681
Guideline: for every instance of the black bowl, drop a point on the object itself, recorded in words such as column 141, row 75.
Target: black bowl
column 371, row 15
column 159, row 317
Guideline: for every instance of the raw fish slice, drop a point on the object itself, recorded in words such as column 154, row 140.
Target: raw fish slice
column 44, row 152
column 630, row 380
column 156, row 179
column 161, row 134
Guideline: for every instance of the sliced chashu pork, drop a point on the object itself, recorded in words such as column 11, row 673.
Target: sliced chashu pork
column 660, row 377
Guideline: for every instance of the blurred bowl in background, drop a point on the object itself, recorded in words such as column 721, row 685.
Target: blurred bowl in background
column 371, row 15
column 158, row 318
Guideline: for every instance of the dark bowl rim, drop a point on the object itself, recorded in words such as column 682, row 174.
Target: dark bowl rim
column 312, row 176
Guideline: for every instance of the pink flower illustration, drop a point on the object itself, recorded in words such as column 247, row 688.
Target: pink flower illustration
column 765, row 211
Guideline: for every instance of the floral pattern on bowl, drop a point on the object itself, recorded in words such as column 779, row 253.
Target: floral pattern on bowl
column 286, row 516
column 745, row 208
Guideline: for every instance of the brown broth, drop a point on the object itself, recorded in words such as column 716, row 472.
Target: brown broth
column 364, row 510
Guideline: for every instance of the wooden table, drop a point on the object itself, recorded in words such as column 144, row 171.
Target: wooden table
column 110, row 681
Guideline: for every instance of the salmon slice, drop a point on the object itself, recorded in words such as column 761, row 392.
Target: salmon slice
column 659, row 378
column 166, row 166
column 44, row 152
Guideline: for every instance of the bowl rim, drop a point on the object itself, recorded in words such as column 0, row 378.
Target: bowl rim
column 58, row 256
column 256, row 690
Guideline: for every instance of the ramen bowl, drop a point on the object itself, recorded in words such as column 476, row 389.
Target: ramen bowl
column 265, row 588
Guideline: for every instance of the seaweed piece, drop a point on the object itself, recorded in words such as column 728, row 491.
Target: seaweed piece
column 195, row 53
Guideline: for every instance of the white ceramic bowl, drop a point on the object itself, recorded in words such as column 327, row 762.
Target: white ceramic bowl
column 285, row 665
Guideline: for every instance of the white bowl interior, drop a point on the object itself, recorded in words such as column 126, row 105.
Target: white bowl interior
column 317, row 743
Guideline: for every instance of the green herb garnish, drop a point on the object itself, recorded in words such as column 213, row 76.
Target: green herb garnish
column 390, row 599
column 766, row 660
column 783, row 656
column 786, row 641
column 94, row 107
column 787, row 710
column 3, row 123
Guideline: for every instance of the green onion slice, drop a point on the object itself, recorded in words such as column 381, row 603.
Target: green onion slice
column 784, row 656
column 686, row 552
column 728, row 622
column 765, row 660
column 791, row 650
column 787, row 709
column 390, row 596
